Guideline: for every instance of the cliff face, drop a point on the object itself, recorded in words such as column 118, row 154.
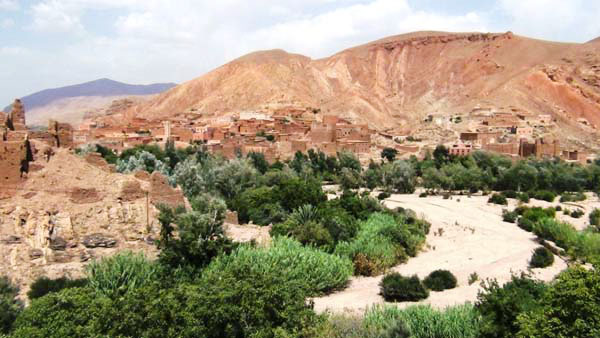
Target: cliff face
column 397, row 80
column 71, row 210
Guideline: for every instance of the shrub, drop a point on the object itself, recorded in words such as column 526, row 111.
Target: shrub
column 473, row 277
column 397, row 288
column 9, row 306
column 541, row 258
column 525, row 224
column 423, row 321
column 383, row 195
column 509, row 216
column 572, row 197
column 440, row 280
column 563, row 234
column 383, row 241
column 510, row 193
column 499, row 306
column 569, row 308
column 44, row 285
column 115, row 276
column 523, row 197
column 498, row 199
column 558, row 208
column 544, row 195
column 423, row 195
column 318, row 271
column 342, row 326
column 595, row 217
column 577, row 213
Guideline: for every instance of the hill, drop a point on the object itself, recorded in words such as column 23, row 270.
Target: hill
column 396, row 81
column 98, row 93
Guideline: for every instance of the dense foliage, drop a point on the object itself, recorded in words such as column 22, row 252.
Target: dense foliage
column 440, row 280
column 541, row 258
column 500, row 306
column 398, row 288
column 9, row 306
column 44, row 285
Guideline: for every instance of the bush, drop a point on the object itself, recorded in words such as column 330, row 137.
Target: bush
column 577, row 213
column 382, row 242
column 397, row 288
column 569, row 308
column 440, row 280
column 498, row 199
column 541, row 258
column 526, row 224
column 115, row 276
column 595, row 217
column 318, row 271
column 523, row 197
column 509, row 216
column 423, row 195
column 558, row 208
column 572, row 197
column 510, row 193
column 383, row 195
column 423, row 321
column 499, row 306
column 563, row 234
column 342, row 326
column 473, row 277
column 44, row 285
column 544, row 195
column 9, row 306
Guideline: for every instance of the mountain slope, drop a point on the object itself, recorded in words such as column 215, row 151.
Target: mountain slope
column 97, row 88
column 398, row 80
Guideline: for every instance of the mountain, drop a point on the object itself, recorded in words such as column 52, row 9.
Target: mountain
column 396, row 81
column 102, row 90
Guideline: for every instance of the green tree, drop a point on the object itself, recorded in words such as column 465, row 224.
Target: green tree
column 399, row 176
column 389, row 154
column 10, row 307
column 570, row 307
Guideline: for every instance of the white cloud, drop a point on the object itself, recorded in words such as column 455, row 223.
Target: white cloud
column 162, row 40
column 56, row 16
column 7, row 23
column 9, row 5
column 553, row 19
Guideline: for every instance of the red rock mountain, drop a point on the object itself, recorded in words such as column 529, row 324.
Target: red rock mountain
column 398, row 80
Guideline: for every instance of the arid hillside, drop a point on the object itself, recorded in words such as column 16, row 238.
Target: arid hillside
column 398, row 80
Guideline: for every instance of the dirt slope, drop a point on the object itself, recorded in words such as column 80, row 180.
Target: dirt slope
column 397, row 80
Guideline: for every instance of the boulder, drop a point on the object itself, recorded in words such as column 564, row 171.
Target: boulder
column 58, row 244
column 99, row 240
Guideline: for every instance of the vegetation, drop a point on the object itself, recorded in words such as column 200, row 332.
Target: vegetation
column 500, row 306
column 117, row 275
column 9, row 306
column 440, row 280
column 398, row 288
column 422, row 321
column 572, row 197
column 595, row 218
column 44, row 285
column 509, row 216
column 498, row 199
column 382, row 242
column 315, row 270
column 541, row 258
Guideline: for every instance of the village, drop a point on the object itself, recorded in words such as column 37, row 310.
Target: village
column 280, row 134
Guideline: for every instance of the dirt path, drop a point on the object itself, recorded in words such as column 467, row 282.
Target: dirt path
column 467, row 235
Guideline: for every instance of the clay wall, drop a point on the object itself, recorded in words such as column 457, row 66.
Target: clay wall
column 503, row 148
column 43, row 136
column 13, row 161
column 299, row 145
column 322, row 133
column 330, row 120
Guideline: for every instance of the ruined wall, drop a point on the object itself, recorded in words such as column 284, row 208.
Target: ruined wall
column 322, row 133
column 13, row 155
column 17, row 116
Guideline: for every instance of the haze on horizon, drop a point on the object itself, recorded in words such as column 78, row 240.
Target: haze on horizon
column 52, row 43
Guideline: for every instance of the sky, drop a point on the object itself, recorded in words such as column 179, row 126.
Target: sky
column 53, row 43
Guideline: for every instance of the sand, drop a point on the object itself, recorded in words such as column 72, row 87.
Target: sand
column 467, row 236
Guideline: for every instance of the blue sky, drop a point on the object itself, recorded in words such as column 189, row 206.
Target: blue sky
column 52, row 43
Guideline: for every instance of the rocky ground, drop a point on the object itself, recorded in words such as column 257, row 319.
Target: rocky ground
column 70, row 211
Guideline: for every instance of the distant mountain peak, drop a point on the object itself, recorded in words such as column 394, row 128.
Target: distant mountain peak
column 101, row 87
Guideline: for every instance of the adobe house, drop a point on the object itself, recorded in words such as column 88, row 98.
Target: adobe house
column 480, row 138
column 460, row 149
column 322, row 133
column 15, row 155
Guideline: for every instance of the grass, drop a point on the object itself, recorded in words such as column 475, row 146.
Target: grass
column 423, row 321
column 382, row 242
column 318, row 271
column 115, row 276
